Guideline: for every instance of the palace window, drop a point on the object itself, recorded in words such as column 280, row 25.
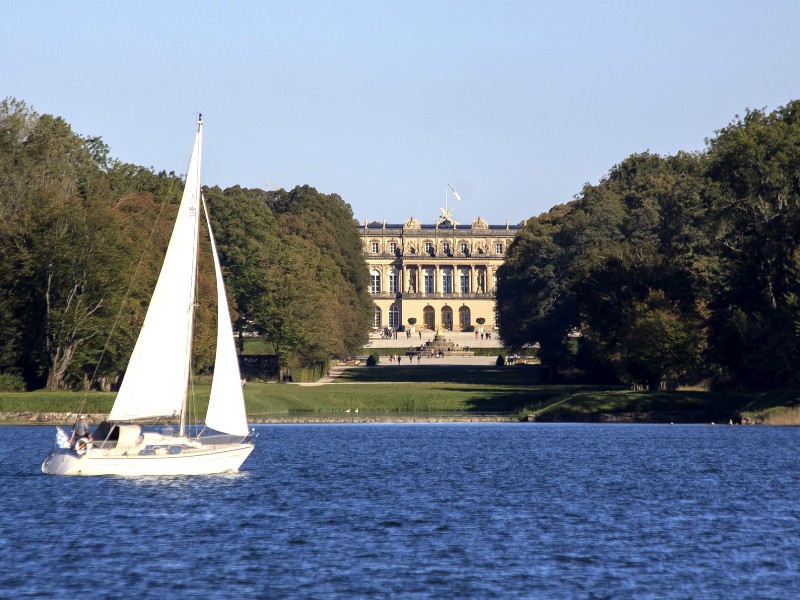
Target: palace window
column 447, row 281
column 394, row 317
column 393, row 279
column 375, row 282
column 375, row 247
column 376, row 317
column 498, row 248
column 429, row 317
column 447, row 318
column 464, row 317
column 463, row 282
column 428, row 282
column 392, row 247
column 446, row 248
column 429, row 248
column 463, row 248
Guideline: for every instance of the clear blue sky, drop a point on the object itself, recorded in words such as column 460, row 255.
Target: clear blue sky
column 516, row 103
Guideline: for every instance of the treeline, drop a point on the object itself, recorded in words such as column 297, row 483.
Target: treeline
column 82, row 237
column 676, row 269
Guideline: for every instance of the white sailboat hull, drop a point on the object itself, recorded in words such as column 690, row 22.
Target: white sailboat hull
column 194, row 461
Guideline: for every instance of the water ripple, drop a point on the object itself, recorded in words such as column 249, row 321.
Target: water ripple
column 420, row 511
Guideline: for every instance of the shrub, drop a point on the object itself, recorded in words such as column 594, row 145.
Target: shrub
column 373, row 359
column 312, row 372
column 501, row 360
column 11, row 382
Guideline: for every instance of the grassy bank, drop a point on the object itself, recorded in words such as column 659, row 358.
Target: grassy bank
column 47, row 402
column 468, row 389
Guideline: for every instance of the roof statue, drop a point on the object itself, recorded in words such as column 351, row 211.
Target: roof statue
column 480, row 223
column 412, row 223
column 446, row 217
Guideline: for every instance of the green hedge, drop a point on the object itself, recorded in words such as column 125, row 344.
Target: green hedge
column 310, row 374
column 11, row 382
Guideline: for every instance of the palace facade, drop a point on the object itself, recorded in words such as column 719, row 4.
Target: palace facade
column 443, row 275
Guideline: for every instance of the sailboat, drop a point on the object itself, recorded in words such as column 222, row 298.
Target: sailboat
column 155, row 388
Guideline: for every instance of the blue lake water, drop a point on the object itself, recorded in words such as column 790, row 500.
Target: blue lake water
column 418, row 511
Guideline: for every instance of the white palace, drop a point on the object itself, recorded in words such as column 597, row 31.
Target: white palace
column 443, row 275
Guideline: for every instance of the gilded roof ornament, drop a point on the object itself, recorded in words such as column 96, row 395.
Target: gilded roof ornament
column 412, row 223
column 480, row 223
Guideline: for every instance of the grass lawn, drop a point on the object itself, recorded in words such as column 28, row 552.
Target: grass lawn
column 448, row 389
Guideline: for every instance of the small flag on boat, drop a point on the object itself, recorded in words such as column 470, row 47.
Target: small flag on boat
column 62, row 439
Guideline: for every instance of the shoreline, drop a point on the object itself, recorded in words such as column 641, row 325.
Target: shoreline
column 68, row 419
column 383, row 419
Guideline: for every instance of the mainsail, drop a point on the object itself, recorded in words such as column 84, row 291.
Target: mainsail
column 155, row 382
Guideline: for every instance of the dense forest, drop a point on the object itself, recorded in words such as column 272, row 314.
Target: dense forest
column 81, row 241
column 672, row 270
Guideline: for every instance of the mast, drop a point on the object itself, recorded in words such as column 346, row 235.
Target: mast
column 193, row 300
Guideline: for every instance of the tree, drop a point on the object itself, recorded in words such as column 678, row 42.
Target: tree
column 247, row 239
column 533, row 297
column 583, row 267
column 659, row 341
column 80, row 232
column 755, row 166
column 295, row 270
column 65, row 244
column 327, row 221
column 73, row 224
column 297, row 312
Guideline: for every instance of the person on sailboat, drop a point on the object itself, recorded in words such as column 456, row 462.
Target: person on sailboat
column 81, row 430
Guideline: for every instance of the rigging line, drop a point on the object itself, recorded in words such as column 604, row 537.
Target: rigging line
column 191, row 407
column 122, row 304
column 198, row 429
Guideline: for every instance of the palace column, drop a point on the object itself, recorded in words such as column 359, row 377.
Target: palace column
column 437, row 286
